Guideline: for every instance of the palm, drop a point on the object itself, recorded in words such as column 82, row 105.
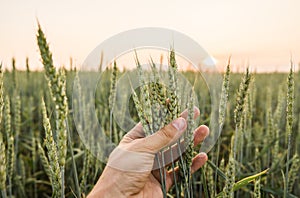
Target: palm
column 129, row 169
column 152, row 188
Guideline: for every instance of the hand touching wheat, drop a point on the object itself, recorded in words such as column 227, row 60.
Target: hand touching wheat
column 129, row 169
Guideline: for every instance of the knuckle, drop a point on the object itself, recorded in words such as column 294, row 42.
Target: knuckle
column 166, row 133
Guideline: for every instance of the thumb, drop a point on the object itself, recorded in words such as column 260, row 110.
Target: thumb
column 164, row 136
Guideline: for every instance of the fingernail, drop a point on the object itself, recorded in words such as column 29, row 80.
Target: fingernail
column 179, row 123
column 202, row 155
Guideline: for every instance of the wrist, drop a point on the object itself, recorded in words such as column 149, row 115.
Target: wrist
column 106, row 187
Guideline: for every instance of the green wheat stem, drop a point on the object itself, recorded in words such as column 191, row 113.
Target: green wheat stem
column 204, row 183
column 222, row 112
column 77, row 187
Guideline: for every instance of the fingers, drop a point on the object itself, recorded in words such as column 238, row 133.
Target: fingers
column 198, row 161
column 137, row 131
column 164, row 136
column 184, row 114
column 173, row 153
column 200, row 134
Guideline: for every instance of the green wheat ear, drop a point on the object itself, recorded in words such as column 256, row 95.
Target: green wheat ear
column 289, row 122
column 173, row 86
column 2, row 144
column 57, row 85
column 2, row 167
column 52, row 153
column 293, row 173
column 145, row 100
column 155, row 96
column 224, row 96
column 45, row 162
column 239, row 108
column 277, row 119
column 10, row 143
column 1, row 93
column 189, row 139
column 241, row 97
column 290, row 101
column 17, row 122
column 112, row 95
column 140, row 111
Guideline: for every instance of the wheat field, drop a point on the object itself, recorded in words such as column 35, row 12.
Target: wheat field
column 42, row 155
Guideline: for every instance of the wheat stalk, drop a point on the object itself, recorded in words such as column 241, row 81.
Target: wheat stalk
column 240, row 105
column 112, row 96
column 185, row 165
column 277, row 120
column 45, row 162
column 145, row 97
column 224, row 96
column 270, row 125
column 52, row 154
column 2, row 144
column 57, row 85
column 293, row 172
column 13, row 64
column 190, row 139
column 289, row 121
column 230, row 173
column 17, row 124
column 173, row 86
column 10, row 143
column 2, row 167
column 257, row 186
column 1, row 93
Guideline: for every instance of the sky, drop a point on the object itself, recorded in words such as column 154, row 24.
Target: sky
column 263, row 34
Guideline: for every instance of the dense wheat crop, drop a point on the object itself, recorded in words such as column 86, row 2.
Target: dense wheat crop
column 257, row 154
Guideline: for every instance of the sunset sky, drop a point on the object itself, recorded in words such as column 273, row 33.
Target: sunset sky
column 264, row 33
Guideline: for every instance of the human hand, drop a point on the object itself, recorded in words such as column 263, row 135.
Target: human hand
column 129, row 171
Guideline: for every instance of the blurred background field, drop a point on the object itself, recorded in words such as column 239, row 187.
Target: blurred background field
column 264, row 129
